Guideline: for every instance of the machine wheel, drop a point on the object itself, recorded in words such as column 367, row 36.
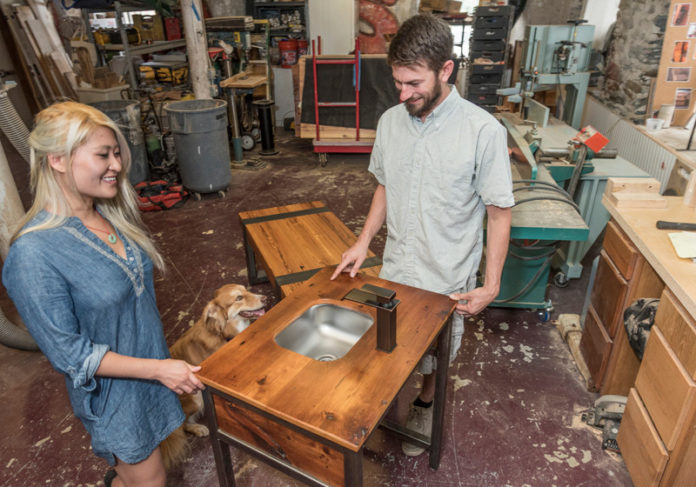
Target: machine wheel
column 323, row 159
column 248, row 142
column 222, row 193
column 560, row 280
column 196, row 196
column 256, row 134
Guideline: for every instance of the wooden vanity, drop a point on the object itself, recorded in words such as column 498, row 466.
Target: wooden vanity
column 311, row 419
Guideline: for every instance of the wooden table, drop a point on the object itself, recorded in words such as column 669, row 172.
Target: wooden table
column 291, row 243
column 311, row 419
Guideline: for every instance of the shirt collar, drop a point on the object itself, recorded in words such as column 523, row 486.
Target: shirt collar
column 442, row 109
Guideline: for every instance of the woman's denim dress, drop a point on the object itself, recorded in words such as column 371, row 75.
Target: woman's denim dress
column 79, row 299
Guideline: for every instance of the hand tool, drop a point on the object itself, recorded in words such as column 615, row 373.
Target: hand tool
column 663, row 225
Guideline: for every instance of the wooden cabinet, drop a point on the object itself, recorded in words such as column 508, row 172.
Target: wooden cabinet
column 623, row 276
column 656, row 436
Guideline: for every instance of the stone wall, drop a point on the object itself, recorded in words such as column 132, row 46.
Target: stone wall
column 633, row 57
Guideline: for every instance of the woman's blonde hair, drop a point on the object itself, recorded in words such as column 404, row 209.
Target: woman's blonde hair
column 60, row 130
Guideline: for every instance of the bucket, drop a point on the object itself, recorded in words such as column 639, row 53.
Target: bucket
column 288, row 53
column 201, row 143
column 666, row 113
column 126, row 114
column 302, row 47
column 653, row 124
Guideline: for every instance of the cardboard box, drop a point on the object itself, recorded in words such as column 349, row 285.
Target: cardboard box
column 454, row 7
column 430, row 5
column 91, row 95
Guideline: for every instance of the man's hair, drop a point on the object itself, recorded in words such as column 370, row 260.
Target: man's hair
column 422, row 40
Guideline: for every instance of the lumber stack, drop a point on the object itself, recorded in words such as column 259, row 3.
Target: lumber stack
column 44, row 60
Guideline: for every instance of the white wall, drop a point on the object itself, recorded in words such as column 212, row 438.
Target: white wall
column 601, row 14
column 335, row 22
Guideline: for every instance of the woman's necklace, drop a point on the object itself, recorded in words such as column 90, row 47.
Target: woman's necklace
column 110, row 236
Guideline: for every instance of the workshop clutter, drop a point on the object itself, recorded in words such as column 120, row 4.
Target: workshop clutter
column 171, row 72
column 288, row 53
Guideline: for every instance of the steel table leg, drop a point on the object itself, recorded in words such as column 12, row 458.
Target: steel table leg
column 255, row 276
column 444, row 341
column 221, row 451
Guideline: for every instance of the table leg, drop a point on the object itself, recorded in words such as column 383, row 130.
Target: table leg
column 221, row 451
column 255, row 276
column 443, row 351
column 353, row 469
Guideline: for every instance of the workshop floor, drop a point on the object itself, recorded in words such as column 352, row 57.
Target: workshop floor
column 515, row 397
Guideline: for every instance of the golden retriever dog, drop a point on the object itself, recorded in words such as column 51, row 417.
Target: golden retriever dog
column 223, row 318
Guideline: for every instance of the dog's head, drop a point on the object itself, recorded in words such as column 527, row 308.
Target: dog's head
column 232, row 310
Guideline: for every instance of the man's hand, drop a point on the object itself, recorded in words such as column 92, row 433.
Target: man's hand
column 351, row 260
column 473, row 302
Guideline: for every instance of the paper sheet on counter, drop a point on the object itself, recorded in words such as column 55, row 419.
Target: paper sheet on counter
column 684, row 244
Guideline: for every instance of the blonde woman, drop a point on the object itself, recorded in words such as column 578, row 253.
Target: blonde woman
column 80, row 271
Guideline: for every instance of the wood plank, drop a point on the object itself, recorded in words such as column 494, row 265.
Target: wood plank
column 321, row 461
column 665, row 387
column 641, row 448
column 637, row 200
column 632, row 185
column 244, row 81
column 343, row 400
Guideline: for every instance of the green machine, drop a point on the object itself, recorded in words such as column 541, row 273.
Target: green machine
column 555, row 55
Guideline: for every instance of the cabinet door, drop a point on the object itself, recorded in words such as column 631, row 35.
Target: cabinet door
column 643, row 452
column 679, row 330
column 666, row 388
column 595, row 347
column 620, row 250
column 609, row 294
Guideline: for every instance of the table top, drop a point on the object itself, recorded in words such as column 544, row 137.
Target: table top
column 293, row 242
column 639, row 224
column 341, row 401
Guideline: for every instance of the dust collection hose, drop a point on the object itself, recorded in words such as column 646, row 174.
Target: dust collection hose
column 11, row 210
column 13, row 126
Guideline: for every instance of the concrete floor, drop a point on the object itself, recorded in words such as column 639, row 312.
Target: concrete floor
column 514, row 399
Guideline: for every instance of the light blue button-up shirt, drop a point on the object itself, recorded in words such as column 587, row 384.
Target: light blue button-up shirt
column 439, row 175
column 79, row 299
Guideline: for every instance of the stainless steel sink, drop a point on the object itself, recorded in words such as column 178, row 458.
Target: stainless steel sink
column 324, row 331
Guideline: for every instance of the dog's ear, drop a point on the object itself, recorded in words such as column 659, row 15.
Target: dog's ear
column 214, row 317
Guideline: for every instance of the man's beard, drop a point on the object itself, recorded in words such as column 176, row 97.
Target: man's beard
column 429, row 101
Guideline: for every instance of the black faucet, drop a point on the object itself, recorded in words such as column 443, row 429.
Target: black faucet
column 384, row 300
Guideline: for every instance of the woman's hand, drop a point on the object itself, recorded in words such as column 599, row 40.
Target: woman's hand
column 179, row 376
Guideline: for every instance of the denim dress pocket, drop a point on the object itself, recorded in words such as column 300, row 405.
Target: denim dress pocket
column 94, row 402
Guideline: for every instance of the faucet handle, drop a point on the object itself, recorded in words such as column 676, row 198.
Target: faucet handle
column 383, row 295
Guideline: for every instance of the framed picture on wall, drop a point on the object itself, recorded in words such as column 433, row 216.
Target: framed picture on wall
column 692, row 31
column 682, row 99
column 680, row 17
column 681, row 49
column 678, row 75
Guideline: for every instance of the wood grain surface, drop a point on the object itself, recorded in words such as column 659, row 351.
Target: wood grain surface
column 287, row 246
column 341, row 401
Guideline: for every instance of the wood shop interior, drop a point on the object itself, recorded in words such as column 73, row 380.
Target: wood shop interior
column 251, row 126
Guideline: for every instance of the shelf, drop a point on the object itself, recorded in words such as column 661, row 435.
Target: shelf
column 146, row 48
column 279, row 4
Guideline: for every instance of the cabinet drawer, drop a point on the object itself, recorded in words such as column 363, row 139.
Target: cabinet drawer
column 679, row 330
column 595, row 346
column 643, row 452
column 666, row 388
column 608, row 294
column 620, row 250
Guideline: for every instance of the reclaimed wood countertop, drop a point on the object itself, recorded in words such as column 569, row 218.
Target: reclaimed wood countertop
column 343, row 400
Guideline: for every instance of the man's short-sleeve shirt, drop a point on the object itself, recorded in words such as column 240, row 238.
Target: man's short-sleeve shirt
column 439, row 175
